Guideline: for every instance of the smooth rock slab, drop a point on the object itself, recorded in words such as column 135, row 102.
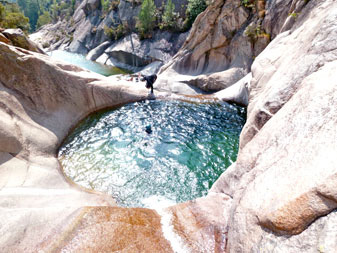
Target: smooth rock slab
column 4, row 39
column 199, row 225
column 113, row 229
column 19, row 39
column 285, row 176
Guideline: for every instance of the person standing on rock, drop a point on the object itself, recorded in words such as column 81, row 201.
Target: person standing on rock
column 149, row 81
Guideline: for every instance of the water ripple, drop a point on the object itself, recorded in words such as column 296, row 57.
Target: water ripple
column 188, row 149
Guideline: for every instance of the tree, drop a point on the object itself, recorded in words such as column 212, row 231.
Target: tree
column 73, row 4
column 2, row 12
column 32, row 12
column 34, row 9
column 194, row 8
column 168, row 16
column 45, row 18
column 146, row 17
column 12, row 17
column 16, row 20
column 22, row 4
column 105, row 6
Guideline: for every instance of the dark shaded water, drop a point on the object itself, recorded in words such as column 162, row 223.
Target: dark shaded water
column 189, row 147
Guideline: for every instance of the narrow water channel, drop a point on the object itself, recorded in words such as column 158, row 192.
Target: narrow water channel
column 81, row 61
column 154, row 152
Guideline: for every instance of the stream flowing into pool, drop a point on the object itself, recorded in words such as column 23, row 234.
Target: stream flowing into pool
column 154, row 152
column 81, row 61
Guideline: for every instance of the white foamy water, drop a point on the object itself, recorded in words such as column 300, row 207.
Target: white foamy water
column 175, row 240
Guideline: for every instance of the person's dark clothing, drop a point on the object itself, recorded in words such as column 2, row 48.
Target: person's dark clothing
column 149, row 81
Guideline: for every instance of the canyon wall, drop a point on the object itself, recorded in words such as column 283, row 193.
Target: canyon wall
column 279, row 196
column 283, row 183
column 109, row 37
column 224, row 41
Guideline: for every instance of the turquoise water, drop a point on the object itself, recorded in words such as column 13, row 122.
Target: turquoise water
column 189, row 147
column 81, row 61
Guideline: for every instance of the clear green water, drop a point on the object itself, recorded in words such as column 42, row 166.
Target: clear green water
column 188, row 149
column 81, row 61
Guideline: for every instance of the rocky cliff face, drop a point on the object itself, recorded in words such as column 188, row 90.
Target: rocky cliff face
column 279, row 196
column 90, row 30
column 283, row 183
column 225, row 39
column 134, row 54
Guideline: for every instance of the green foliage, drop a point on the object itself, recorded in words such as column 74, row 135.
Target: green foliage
column 108, row 5
column 115, row 33
column 73, row 3
column 12, row 17
column 254, row 32
column 22, row 4
column 31, row 9
column 294, row 14
column 36, row 10
column 2, row 12
column 105, row 6
column 108, row 31
column 248, row 3
column 119, row 32
column 146, row 18
column 32, row 12
column 15, row 20
column 168, row 18
column 45, row 18
column 11, row 7
column 64, row 5
column 55, row 11
column 194, row 8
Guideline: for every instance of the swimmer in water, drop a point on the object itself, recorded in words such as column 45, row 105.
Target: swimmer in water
column 148, row 129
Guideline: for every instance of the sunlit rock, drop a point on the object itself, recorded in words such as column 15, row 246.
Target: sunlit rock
column 19, row 39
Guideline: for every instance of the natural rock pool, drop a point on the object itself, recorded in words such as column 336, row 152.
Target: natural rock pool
column 154, row 152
